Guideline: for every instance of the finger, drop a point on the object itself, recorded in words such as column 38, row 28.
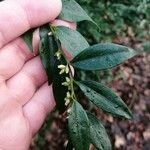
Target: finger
column 19, row 51
column 23, row 85
column 13, row 56
column 71, row 25
column 37, row 109
column 22, row 15
column 59, row 22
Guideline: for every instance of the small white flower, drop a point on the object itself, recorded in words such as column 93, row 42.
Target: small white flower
column 58, row 54
column 50, row 33
column 67, row 101
column 69, row 111
column 68, row 95
column 61, row 66
column 67, row 79
column 67, row 69
column 65, row 83
column 58, row 57
column 62, row 71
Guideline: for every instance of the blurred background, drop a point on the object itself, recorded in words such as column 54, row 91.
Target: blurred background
column 125, row 22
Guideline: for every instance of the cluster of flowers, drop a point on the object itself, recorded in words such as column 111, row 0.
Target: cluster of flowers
column 67, row 83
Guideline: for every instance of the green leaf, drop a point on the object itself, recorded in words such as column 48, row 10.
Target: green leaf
column 104, row 98
column 28, row 38
column 73, row 12
column 102, row 56
column 59, row 90
column 98, row 135
column 48, row 48
column 79, row 127
column 72, row 40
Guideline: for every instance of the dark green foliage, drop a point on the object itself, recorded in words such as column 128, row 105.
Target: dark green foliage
column 102, row 56
column 85, row 128
column 58, row 89
column 79, row 127
column 48, row 48
column 72, row 40
column 105, row 98
column 73, row 12
column 99, row 137
column 28, row 37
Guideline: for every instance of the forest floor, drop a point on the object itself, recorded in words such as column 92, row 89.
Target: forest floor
column 132, row 82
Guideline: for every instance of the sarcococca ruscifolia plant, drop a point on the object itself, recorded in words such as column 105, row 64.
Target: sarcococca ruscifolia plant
column 83, row 126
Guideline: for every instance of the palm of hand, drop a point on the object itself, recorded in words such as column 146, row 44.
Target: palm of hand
column 25, row 98
column 14, row 126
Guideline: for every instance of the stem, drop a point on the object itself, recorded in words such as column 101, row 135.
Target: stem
column 68, row 63
column 72, row 84
column 58, row 43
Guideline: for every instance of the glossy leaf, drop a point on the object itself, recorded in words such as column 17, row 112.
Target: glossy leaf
column 104, row 98
column 98, row 135
column 79, row 127
column 72, row 40
column 73, row 12
column 102, row 56
column 48, row 48
column 28, row 38
column 58, row 89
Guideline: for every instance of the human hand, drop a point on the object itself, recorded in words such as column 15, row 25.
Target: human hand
column 25, row 98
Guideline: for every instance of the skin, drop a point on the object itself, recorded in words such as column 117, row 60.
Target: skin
column 25, row 98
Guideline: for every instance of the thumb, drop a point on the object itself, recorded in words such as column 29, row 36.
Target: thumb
column 18, row 16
